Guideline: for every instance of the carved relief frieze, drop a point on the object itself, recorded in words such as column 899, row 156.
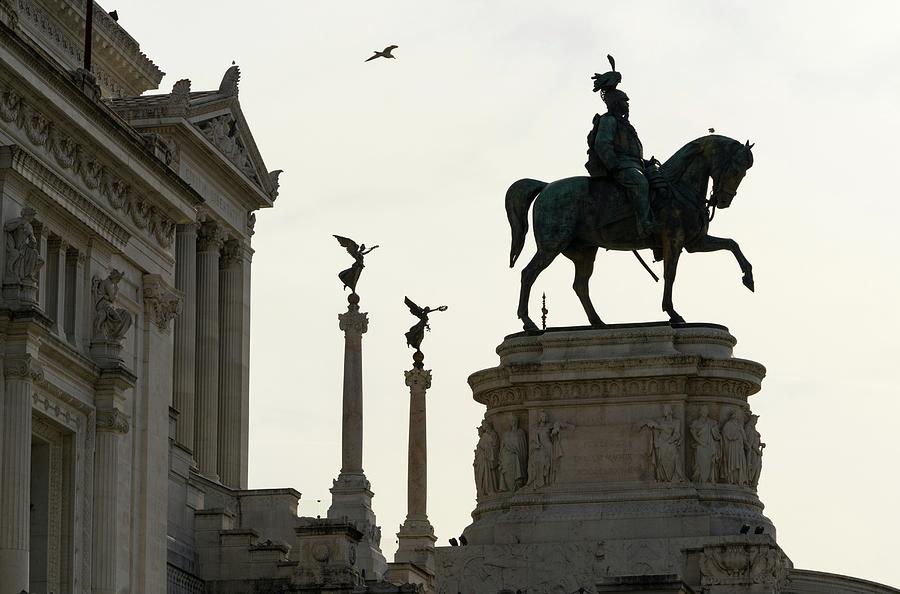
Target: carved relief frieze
column 744, row 564
column 546, row 450
column 581, row 389
column 666, row 453
column 222, row 132
column 95, row 176
column 51, row 408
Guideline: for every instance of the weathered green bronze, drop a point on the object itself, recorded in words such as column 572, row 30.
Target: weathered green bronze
column 577, row 215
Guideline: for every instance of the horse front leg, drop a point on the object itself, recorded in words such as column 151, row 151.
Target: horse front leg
column 671, row 253
column 708, row 243
column 583, row 259
column 538, row 263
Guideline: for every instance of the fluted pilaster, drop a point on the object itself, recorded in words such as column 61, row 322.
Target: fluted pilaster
column 184, row 379
column 206, row 421
column 108, row 504
column 15, row 471
column 230, row 364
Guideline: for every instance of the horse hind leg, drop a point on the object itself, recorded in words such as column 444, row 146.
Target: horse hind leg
column 583, row 259
column 538, row 263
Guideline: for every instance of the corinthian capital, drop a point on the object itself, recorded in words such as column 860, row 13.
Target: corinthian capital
column 232, row 252
column 163, row 303
column 354, row 322
column 418, row 379
column 210, row 237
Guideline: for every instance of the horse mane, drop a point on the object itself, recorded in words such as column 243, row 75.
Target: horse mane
column 675, row 165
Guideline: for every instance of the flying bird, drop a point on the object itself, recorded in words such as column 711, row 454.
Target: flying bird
column 385, row 53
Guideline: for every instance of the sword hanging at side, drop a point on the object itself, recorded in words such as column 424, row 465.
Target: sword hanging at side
column 644, row 264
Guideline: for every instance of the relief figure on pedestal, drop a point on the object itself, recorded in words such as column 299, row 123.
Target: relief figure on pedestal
column 547, row 450
column 707, row 439
column 754, row 451
column 23, row 259
column 486, row 460
column 734, row 444
column 513, row 458
column 110, row 322
column 665, row 447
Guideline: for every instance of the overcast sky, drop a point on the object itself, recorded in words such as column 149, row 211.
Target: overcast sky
column 416, row 153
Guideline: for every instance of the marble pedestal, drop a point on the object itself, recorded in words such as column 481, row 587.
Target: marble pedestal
column 610, row 456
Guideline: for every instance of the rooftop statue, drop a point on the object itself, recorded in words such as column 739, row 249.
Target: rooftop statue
column 351, row 276
column 627, row 203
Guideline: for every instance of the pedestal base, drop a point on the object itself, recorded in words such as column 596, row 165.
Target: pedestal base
column 106, row 353
column 614, row 453
column 20, row 296
column 416, row 544
column 351, row 498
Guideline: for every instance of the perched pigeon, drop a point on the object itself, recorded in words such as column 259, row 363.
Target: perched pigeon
column 712, row 130
column 385, row 53
column 114, row 15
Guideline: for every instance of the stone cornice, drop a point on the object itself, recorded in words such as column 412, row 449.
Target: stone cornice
column 130, row 141
column 62, row 193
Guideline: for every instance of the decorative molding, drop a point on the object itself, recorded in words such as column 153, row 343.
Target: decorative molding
column 23, row 367
column 742, row 564
column 96, row 177
column 163, row 303
column 113, row 420
column 49, row 407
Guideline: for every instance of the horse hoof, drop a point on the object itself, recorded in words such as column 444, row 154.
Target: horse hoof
column 598, row 324
column 676, row 319
column 529, row 326
column 748, row 282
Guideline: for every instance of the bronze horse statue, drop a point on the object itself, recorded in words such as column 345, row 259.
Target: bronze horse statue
column 577, row 215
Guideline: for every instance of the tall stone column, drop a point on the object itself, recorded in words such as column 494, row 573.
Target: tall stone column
column 15, row 470
column 109, row 550
column 230, row 364
column 185, row 333
column 351, row 496
column 416, row 537
column 206, row 420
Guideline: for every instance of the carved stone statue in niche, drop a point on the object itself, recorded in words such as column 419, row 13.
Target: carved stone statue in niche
column 665, row 447
column 547, row 450
column 513, row 457
column 707, row 439
column 754, row 451
column 486, row 460
column 23, row 258
column 734, row 455
column 111, row 323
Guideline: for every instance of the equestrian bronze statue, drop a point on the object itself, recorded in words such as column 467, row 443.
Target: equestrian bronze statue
column 627, row 203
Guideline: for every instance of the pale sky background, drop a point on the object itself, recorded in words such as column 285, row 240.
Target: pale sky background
column 416, row 154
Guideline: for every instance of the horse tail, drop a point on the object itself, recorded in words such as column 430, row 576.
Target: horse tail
column 519, row 197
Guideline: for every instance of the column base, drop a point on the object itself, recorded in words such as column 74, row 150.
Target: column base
column 351, row 499
column 416, row 543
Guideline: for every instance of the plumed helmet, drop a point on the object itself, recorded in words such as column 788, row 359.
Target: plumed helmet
column 608, row 80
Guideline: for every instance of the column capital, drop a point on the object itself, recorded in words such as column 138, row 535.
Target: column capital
column 418, row 379
column 232, row 253
column 114, row 421
column 162, row 302
column 22, row 367
column 210, row 236
column 354, row 322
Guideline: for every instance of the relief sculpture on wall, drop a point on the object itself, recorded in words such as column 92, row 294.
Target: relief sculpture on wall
column 513, row 458
column 754, row 451
column 665, row 447
column 486, row 460
column 734, row 456
column 707, row 439
column 547, row 450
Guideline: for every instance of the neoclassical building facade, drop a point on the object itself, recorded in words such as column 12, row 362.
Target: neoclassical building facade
column 125, row 316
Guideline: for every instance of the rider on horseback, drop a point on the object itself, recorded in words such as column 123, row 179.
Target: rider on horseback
column 615, row 151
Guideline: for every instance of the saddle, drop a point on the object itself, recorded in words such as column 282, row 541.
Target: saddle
column 617, row 206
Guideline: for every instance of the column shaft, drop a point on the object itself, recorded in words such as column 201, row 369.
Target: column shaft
column 106, row 512
column 230, row 341
column 417, row 479
column 206, row 421
column 185, row 334
column 15, row 473
column 354, row 324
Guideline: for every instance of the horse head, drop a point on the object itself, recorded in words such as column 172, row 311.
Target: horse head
column 730, row 162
